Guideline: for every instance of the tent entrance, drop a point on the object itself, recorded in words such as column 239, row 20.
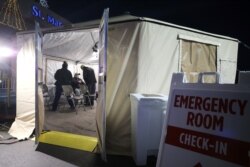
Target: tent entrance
column 67, row 127
column 77, row 126
column 84, row 126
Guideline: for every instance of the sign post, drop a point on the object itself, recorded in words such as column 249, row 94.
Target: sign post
column 207, row 125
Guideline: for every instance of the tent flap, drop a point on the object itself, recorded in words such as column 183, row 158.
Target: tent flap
column 25, row 96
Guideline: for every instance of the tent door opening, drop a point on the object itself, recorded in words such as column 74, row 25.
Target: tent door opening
column 85, row 120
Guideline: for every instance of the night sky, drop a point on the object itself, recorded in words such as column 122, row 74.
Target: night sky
column 225, row 17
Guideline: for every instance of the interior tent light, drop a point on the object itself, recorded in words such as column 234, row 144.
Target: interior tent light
column 6, row 52
column 96, row 54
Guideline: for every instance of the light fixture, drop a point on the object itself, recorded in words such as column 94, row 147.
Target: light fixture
column 6, row 52
column 95, row 47
column 44, row 3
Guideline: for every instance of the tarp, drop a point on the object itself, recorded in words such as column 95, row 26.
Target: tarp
column 142, row 55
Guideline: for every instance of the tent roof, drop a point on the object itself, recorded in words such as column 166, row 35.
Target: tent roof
column 130, row 18
column 93, row 24
column 75, row 42
column 76, row 46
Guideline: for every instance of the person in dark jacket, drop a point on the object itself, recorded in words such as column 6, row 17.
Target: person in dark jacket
column 63, row 77
column 90, row 80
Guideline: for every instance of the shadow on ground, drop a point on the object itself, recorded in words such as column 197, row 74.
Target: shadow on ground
column 88, row 159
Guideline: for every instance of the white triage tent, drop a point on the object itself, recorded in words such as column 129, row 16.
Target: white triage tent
column 142, row 55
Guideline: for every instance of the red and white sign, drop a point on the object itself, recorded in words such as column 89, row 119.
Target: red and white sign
column 206, row 126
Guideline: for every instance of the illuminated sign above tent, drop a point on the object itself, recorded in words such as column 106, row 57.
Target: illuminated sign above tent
column 38, row 13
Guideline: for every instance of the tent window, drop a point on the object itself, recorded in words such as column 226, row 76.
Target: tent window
column 197, row 57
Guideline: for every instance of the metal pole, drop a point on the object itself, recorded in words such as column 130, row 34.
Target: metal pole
column 8, row 92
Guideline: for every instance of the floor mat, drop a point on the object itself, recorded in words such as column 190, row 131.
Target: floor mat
column 69, row 140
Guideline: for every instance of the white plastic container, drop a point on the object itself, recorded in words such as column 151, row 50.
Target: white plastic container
column 147, row 116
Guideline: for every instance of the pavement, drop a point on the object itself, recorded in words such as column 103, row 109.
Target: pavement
column 28, row 154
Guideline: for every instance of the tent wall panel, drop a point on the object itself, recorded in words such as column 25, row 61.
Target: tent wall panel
column 146, row 66
column 122, row 66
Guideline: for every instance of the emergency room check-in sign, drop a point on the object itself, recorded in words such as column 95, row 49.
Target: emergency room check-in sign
column 207, row 128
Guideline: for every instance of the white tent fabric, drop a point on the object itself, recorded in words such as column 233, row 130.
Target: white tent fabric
column 142, row 55
column 52, row 65
column 142, row 60
column 24, row 123
column 72, row 45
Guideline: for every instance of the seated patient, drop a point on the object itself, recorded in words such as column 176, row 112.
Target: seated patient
column 76, row 81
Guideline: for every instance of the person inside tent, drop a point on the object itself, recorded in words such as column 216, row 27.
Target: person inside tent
column 76, row 82
column 90, row 80
column 63, row 77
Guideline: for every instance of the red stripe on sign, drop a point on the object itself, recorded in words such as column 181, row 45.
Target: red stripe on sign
column 231, row 150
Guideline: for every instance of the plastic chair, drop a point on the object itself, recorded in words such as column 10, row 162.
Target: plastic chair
column 85, row 93
column 46, row 95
